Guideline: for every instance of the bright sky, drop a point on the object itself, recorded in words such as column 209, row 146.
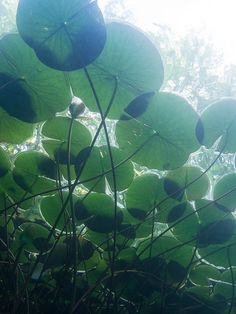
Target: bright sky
column 214, row 17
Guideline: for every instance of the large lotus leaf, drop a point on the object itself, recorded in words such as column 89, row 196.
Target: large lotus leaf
column 217, row 232
column 34, row 172
column 210, row 211
column 8, row 127
column 5, row 163
column 164, row 136
column 66, row 35
column 63, row 252
column 129, row 60
column 98, row 212
column 15, row 192
column 203, row 274
column 186, row 224
column 192, row 180
column 146, row 193
column 218, row 121
column 32, row 183
column 201, row 300
column 30, row 91
column 36, row 163
column 217, row 254
column 98, row 162
column 224, row 191
column 51, row 207
column 165, row 247
column 34, row 237
column 224, row 286
column 57, row 129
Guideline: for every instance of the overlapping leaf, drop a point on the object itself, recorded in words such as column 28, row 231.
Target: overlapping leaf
column 29, row 91
column 130, row 61
column 218, row 122
column 164, row 136
column 99, row 164
column 66, row 35
column 57, row 130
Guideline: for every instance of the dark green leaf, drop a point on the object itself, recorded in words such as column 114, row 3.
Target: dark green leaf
column 130, row 60
column 163, row 136
column 30, row 91
column 66, row 35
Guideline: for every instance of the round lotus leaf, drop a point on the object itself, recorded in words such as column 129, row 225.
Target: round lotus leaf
column 30, row 91
column 57, row 130
column 99, row 162
column 224, row 191
column 129, row 65
column 51, row 207
column 186, row 224
column 218, row 121
column 5, row 163
column 98, row 212
column 36, row 163
column 217, row 254
column 33, row 184
column 15, row 192
column 199, row 293
column 8, row 128
column 191, row 180
column 163, row 137
column 224, row 286
column 210, row 211
column 203, row 274
column 216, row 233
column 66, row 35
column 166, row 247
column 145, row 194
column 34, row 237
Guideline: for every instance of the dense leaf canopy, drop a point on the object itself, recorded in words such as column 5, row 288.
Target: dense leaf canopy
column 110, row 212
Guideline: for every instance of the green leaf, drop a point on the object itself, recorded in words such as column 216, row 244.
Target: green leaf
column 5, row 163
column 34, row 172
column 145, row 194
column 9, row 125
column 29, row 91
column 164, row 136
column 130, row 60
column 190, row 180
column 99, row 162
column 57, row 129
column 66, row 35
column 165, row 247
column 224, row 286
column 36, row 163
column 34, row 237
column 202, row 275
column 51, row 206
column 226, row 186
column 219, row 122
column 98, row 212
column 137, row 106
column 216, row 234
column 15, row 192
column 188, row 226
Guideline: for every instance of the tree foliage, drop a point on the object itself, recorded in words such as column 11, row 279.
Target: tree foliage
column 112, row 212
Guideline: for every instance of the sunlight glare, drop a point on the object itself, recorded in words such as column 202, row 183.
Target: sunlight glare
column 213, row 18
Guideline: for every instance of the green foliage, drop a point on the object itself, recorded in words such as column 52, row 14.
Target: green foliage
column 114, row 215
